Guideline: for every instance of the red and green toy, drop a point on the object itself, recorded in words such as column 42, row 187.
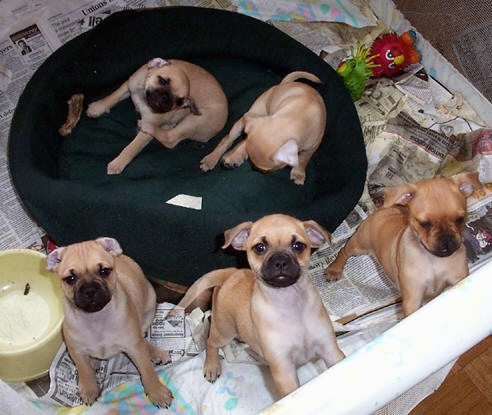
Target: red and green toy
column 387, row 57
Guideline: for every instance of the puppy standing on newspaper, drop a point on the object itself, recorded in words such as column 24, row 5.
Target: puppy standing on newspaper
column 417, row 237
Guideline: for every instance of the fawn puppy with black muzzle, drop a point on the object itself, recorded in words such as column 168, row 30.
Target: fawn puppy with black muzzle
column 108, row 305
column 274, row 307
column 417, row 237
column 176, row 100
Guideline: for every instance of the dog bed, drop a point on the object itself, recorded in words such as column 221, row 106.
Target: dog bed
column 63, row 182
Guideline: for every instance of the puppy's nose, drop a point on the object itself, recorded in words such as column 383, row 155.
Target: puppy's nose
column 91, row 296
column 281, row 262
column 160, row 100
column 281, row 270
column 446, row 245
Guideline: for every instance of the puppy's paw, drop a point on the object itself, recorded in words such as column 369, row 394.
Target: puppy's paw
column 231, row 162
column 212, row 369
column 96, row 109
column 298, row 176
column 114, row 167
column 88, row 391
column 208, row 162
column 159, row 356
column 332, row 273
column 175, row 312
column 160, row 396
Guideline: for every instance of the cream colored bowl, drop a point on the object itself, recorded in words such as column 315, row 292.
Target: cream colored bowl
column 31, row 315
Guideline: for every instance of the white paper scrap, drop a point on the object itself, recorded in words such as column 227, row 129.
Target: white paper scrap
column 187, row 201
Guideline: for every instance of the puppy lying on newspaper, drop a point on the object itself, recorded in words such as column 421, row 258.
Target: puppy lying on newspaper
column 417, row 237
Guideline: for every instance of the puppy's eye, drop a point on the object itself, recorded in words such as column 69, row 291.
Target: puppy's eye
column 260, row 248
column 163, row 81
column 426, row 224
column 459, row 220
column 71, row 279
column 298, row 247
column 104, row 271
column 179, row 102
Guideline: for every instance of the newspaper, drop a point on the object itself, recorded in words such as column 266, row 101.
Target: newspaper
column 16, row 228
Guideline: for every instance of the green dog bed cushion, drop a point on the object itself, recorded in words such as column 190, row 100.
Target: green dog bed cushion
column 63, row 182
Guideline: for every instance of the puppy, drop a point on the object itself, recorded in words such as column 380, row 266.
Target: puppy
column 108, row 305
column 176, row 100
column 274, row 306
column 417, row 237
column 283, row 127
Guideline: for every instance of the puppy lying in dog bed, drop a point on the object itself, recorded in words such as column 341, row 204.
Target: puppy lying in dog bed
column 176, row 100
column 63, row 183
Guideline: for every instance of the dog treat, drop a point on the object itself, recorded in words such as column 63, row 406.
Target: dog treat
column 75, row 104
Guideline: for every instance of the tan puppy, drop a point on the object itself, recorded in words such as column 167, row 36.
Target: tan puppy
column 274, row 307
column 283, row 127
column 417, row 237
column 108, row 305
column 177, row 100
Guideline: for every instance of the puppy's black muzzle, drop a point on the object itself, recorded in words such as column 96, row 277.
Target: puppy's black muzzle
column 92, row 296
column 280, row 270
column 160, row 100
column 446, row 245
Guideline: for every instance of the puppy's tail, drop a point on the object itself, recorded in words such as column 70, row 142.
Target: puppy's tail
column 206, row 282
column 293, row 76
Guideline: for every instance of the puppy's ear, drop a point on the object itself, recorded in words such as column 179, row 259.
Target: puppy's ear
column 399, row 195
column 157, row 63
column 288, row 154
column 111, row 245
column 188, row 102
column 467, row 182
column 54, row 258
column 316, row 233
column 237, row 236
